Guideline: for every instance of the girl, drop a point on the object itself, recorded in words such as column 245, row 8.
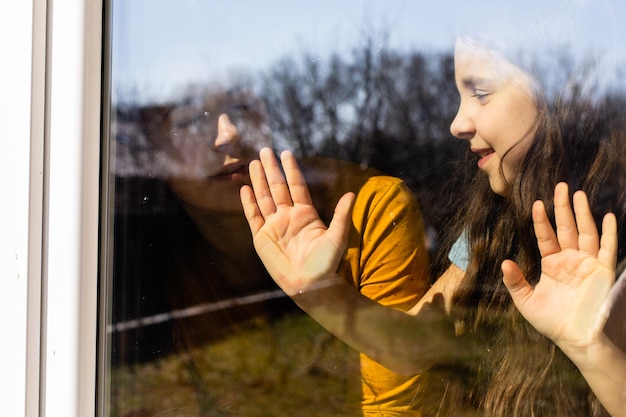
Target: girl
column 466, row 328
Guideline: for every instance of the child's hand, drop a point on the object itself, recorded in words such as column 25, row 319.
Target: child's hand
column 296, row 247
column 577, row 273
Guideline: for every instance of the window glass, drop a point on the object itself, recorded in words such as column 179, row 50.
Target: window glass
column 364, row 94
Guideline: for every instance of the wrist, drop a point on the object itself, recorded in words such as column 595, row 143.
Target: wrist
column 330, row 280
column 586, row 355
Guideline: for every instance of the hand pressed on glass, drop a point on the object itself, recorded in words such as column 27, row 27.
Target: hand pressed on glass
column 578, row 271
column 297, row 248
column 571, row 303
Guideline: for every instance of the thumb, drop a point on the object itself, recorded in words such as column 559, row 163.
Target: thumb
column 340, row 224
column 515, row 282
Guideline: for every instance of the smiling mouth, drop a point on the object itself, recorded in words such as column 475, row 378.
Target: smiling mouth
column 483, row 152
column 231, row 172
column 484, row 155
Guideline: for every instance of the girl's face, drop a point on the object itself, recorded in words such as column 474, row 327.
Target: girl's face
column 207, row 147
column 496, row 112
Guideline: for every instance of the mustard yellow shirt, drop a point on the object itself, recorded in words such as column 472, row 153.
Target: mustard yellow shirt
column 386, row 260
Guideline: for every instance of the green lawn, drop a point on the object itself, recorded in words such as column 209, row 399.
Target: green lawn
column 291, row 367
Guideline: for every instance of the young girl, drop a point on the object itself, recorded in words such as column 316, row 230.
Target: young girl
column 466, row 328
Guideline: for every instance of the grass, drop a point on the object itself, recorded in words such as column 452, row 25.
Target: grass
column 291, row 367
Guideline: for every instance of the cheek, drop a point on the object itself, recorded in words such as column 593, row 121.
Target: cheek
column 191, row 160
column 522, row 117
column 513, row 160
column 522, row 133
column 192, row 149
column 512, row 130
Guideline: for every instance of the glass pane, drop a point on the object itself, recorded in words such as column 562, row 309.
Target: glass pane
column 363, row 93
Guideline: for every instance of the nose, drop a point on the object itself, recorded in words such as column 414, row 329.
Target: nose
column 227, row 133
column 462, row 127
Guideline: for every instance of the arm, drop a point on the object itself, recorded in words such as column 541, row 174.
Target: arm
column 401, row 342
column 301, row 254
column 568, row 305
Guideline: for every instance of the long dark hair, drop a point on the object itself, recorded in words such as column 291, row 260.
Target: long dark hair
column 578, row 140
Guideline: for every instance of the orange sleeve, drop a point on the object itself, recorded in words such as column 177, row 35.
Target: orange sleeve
column 387, row 260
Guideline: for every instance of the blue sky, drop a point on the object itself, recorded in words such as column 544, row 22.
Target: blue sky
column 160, row 45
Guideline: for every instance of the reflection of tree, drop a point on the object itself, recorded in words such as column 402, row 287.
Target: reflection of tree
column 379, row 107
column 391, row 110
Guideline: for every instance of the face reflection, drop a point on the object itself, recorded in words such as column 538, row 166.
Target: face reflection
column 207, row 146
column 497, row 110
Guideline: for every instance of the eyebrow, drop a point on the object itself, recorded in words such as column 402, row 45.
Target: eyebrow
column 471, row 82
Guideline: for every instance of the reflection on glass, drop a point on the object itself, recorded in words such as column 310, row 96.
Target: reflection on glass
column 198, row 327
column 212, row 286
column 194, row 312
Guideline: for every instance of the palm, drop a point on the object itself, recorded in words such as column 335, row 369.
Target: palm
column 567, row 299
column 292, row 241
column 294, row 244
column 578, row 271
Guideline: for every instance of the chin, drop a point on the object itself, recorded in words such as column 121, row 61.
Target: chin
column 498, row 186
column 210, row 198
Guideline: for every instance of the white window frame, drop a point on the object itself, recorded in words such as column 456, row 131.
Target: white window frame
column 16, row 43
column 50, row 94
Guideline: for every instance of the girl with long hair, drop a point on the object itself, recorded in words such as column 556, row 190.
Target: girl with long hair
column 532, row 343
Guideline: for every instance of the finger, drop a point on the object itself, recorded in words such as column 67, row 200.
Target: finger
column 250, row 209
column 608, row 242
column 566, row 231
column 588, row 239
column 546, row 238
column 275, row 178
column 340, row 224
column 262, row 194
column 295, row 180
column 516, row 283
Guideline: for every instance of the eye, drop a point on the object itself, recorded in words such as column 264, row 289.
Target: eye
column 240, row 109
column 480, row 94
column 193, row 120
